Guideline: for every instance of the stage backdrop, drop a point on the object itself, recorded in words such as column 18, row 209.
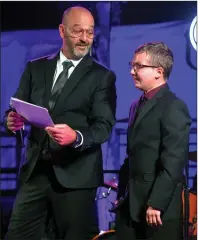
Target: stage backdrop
column 20, row 46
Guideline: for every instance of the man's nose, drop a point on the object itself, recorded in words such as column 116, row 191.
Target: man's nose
column 83, row 37
column 132, row 71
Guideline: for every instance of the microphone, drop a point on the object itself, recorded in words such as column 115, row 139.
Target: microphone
column 19, row 137
column 19, row 133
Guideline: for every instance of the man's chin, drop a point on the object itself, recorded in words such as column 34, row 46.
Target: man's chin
column 137, row 85
column 80, row 54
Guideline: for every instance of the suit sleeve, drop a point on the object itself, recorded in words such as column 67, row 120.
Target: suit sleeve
column 175, row 128
column 23, row 91
column 102, row 116
column 123, row 178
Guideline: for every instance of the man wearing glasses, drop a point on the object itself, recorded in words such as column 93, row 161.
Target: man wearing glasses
column 157, row 148
column 63, row 164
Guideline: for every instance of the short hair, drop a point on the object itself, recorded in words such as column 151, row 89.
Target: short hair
column 160, row 55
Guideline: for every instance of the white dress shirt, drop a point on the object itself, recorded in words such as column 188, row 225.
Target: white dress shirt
column 59, row 66
column 59, row 69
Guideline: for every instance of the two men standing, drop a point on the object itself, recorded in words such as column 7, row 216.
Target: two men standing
column 64, row 163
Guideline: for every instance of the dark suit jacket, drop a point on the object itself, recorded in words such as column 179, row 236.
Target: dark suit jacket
column 87, row 103
column 157, row 145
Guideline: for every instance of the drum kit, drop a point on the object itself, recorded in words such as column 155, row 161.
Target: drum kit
column 110, row 234
column 192, row 220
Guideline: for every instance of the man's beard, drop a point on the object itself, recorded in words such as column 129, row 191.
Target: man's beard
column 80, row 54
column 73, row 48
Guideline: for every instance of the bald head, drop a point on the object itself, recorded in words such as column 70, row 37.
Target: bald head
column 77, row 15
column 77, row 32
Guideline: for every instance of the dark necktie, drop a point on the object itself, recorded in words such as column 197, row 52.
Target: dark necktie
column 59, row 84
column 140, row 105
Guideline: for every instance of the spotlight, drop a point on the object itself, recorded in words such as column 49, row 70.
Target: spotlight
column 193, row 33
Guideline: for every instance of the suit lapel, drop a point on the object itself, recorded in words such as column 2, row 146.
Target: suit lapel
column 149, row 105
column 133, row 112
column 145, row 109
column 50, row 68
column 79, row 72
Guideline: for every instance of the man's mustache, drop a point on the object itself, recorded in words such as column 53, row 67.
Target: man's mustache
column 82, row 45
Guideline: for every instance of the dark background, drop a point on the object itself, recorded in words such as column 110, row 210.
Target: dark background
column 47, row 15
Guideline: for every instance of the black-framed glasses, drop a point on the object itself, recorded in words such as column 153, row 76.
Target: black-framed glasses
column 77, row 32
column 137, row 66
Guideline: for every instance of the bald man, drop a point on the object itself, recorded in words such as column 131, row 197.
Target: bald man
column 63, row 164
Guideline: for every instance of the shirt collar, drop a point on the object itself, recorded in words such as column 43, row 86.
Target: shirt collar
column 63, row 59
column 154, row 91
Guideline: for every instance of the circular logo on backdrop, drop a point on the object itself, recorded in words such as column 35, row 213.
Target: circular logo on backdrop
column 193, row 33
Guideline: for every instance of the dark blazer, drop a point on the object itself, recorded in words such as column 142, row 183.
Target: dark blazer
column 157, row 146
column 87, row 103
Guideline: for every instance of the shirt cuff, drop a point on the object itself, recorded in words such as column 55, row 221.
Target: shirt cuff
column 79, row 139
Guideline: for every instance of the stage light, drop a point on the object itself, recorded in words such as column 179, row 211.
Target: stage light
column 193, row 33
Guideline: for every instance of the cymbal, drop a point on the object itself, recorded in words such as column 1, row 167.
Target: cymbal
column 192, row 156
column 111, row 184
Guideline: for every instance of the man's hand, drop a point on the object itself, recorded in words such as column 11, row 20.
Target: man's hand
column 153, row 217
column 15, row 121
column 62, row 134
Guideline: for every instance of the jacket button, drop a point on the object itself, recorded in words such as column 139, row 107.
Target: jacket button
column 44, row 152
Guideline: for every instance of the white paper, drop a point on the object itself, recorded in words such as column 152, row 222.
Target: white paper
column 36, row 115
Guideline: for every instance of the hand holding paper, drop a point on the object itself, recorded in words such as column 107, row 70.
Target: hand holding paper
column 34, row 114
column 62, row 134
column 15, row 121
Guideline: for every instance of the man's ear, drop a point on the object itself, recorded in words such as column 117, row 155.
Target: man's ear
column 159, row 72
column 61, row 30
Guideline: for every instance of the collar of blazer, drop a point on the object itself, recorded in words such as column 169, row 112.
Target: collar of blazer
column 149, row 105
column 81, row 69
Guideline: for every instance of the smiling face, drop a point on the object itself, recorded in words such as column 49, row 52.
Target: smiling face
column 145, row 75
column 77, row 32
